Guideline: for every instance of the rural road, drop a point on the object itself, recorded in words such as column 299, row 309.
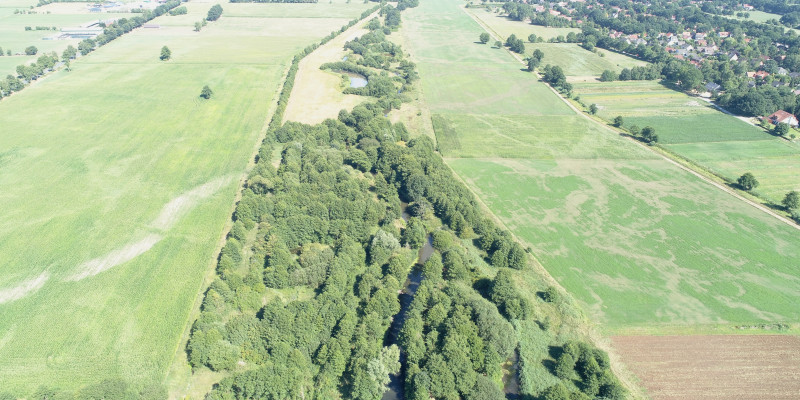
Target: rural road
column 668, row 159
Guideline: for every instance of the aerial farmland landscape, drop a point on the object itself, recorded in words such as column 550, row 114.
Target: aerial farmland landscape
column 420, row 199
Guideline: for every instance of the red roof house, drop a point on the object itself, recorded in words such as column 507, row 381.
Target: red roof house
column 781, row 116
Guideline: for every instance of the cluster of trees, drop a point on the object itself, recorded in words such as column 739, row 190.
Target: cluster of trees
column 554, row 75
column 639, row 73
column 454, row 341
column 535, row 59
column 182, row 10
column 791, row 202
column 391, row 16
column 346, row 245
column 214, row 13
column 352, row 176
column 375, row 57
column 27, row 74
column 592, row 367
column 760, row 100
column 515, row 44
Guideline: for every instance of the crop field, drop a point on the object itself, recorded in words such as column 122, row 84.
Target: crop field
column 577, row 61
column 117, row 182
column 504, row 27
column 715, row 367
column 719, row 142
column 642, row 243
column 635, row 239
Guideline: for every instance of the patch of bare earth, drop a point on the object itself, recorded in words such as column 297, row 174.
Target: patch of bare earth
column 714, row 366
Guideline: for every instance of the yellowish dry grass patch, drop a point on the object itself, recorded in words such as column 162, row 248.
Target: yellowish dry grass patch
column 317, row 94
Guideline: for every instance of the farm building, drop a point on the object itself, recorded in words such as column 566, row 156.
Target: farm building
column 713, row 87
column 781, row 116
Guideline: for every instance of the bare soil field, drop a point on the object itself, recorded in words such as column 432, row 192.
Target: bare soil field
column 714, row 366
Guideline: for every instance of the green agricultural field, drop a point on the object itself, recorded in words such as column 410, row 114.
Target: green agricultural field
column 504, row 27
column 719, row 142
column 641, row 243
column 638, row 241
column 577, row 61
column 117, row 182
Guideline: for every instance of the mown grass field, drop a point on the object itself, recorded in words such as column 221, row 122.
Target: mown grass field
column 719, row 142
column 504, row 26
column 117, row 181
column 635, row 239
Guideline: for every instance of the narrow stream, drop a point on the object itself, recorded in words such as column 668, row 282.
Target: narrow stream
column 396, row 388
column 511, row 379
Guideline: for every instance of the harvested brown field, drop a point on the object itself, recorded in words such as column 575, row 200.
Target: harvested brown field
column 714, row 366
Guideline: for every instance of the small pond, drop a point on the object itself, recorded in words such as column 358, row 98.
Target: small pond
column 356, row 80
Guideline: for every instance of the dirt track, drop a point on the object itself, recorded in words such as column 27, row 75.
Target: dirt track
column 714, row 366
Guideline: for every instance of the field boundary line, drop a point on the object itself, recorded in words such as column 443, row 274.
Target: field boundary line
column 210, row 272
column 642, row 145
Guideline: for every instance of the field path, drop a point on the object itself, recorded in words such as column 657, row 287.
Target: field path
column 606, row 128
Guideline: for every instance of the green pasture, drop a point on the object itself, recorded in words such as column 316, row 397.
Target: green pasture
column 695, row 130
column 642, row 243
column 577, row 61
column 117, row 182
column 774, row 162
column 504, row 26
column 638, row 241
column 528, row 137
column 461, row 76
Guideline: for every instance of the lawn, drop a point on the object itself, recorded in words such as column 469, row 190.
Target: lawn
column 117, row 182
column 504, row 26
column 719, row 142
column 635, row 239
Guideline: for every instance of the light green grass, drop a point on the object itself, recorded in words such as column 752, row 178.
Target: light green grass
column 577, row 61
column 88, row 161
column 504, row 26
column 526, row 136
column 775, row 163
column 460, row 76
column 638, row 241
column 695, row 130
column 757, row 16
